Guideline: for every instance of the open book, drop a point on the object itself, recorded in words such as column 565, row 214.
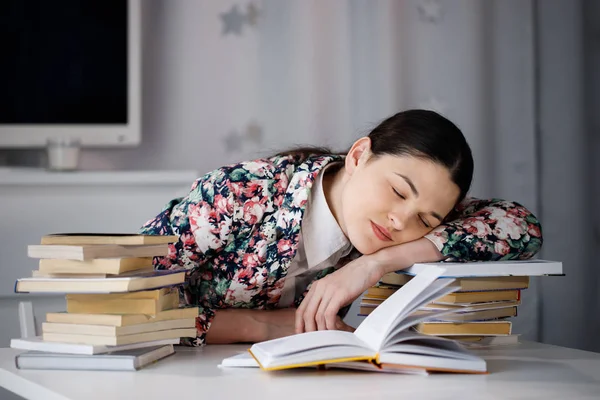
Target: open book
column 382, row 340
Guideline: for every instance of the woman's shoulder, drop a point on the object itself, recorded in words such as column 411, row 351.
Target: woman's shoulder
column 271, row 168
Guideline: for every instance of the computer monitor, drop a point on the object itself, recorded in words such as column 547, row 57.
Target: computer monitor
column 70, row 69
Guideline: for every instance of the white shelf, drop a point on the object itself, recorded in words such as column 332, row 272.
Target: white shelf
column 21, row 176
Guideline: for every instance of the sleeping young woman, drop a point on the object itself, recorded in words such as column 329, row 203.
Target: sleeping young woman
column 283, row 245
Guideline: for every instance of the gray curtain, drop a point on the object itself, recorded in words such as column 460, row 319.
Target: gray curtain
column 567, row 90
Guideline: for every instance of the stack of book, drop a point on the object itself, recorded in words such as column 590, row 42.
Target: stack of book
column 120, row 312
column 479, row 312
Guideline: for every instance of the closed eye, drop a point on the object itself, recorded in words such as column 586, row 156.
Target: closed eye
column 425, row 223
column 399, row 194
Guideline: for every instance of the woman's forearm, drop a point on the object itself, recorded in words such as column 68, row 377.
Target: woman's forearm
column 404, row 255
column 238, row 325
column 234, row 326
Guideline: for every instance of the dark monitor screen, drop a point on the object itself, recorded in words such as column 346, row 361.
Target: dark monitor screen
column 63, row 62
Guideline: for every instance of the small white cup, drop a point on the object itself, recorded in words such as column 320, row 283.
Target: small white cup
column 63, row 153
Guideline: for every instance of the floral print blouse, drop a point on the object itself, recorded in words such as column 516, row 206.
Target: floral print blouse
column 239, row 228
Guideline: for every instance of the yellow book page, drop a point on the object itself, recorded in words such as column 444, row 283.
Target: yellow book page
column 431, row 369
column 312, row 363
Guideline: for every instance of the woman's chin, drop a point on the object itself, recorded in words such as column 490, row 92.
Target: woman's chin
column 366, row 247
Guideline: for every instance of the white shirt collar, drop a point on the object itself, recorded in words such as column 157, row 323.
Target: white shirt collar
column 322, row 236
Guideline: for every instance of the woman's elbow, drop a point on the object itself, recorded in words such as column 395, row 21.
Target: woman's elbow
column 531, row 237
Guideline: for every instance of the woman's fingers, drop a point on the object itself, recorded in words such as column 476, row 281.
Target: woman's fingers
column 300, row 311
column 311, row 309
column 319, row 309
column 330, row 313
column 305, row 315
column 321, row 315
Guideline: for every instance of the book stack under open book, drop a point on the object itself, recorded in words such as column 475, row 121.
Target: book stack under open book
column 117, row 306
column 488, row 297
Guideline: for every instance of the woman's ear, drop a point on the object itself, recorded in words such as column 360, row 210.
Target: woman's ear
column 358, row 154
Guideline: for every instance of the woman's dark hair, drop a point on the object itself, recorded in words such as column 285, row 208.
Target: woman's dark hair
column 417, row 133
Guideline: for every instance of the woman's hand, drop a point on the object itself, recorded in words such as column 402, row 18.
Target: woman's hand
column 280, row 323
column 327, row 296
column 318, row 310
column 241, row 325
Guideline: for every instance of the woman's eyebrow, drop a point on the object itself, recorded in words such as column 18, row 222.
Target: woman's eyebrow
column 410, row 183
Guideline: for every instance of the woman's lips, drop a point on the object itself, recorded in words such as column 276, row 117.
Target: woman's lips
column 381, row 232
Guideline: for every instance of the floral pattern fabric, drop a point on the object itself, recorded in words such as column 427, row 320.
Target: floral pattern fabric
column 239, row 229
column 488, row 230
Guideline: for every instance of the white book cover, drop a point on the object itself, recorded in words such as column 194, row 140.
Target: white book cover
column 491, row 268
column 125, row 360
column 37, row 344
column 240, row 360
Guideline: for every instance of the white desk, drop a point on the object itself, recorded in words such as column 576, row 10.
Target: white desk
column 530, row 370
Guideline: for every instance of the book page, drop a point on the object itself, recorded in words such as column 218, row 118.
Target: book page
column 437, row 289
column 418, row 343
column 402, row 326
column 368, row 366
column 302, row 342
column 374, row 329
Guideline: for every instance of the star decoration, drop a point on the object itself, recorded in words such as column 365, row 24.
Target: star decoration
column 430, row 10
column 233, row 21
column 254, row 133
column 232, row 142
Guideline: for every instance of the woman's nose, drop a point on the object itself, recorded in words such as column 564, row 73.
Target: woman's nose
column 398, row 220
